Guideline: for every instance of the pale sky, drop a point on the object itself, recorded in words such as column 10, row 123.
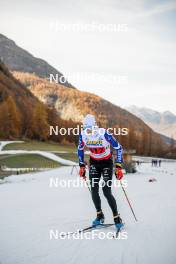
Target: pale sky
column 143, row 54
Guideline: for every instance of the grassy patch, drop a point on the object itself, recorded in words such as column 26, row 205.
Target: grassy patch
column 4, row 156
column 37, row 145
column 27, row 161
column 69, row 156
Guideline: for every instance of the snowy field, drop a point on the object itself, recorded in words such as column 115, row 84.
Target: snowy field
column 31, row 208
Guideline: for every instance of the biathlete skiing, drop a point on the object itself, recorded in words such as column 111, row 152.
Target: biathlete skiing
column 99, row 142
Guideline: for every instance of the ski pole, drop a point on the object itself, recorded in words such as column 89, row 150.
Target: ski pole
column 74, row 167
column 86, row 181
column 88, row 186
column 128, row 201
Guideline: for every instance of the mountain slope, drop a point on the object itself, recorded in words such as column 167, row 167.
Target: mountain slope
column 22, row 115
column 74, row 104
column 18, row 109
column 164, row 123
column 18, row 59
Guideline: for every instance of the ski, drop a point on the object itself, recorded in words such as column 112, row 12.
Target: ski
column 88, row 229
column 118, row 232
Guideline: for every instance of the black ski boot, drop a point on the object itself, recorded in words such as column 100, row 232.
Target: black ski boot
column 118, row 222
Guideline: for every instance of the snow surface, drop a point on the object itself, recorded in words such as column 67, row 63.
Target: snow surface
column 30, row 208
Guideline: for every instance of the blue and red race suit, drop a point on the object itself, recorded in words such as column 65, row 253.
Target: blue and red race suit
column 99, row 143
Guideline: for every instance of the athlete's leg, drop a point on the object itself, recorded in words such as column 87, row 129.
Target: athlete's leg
column 107, row 177
column 94, row 176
